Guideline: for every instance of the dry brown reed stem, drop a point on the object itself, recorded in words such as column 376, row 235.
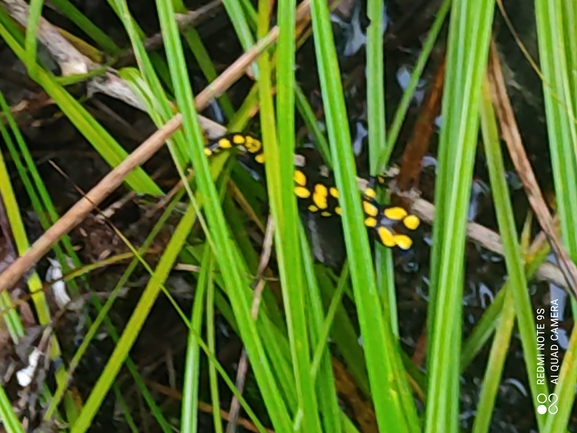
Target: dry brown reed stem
column 512, row 137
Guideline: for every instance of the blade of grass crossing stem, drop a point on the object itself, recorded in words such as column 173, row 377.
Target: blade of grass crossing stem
column 37, row 192
column 202, row 57
column 31, row 168
column 517, row 287
column 163, row 109
column 220, row 240
column 204, row 61
column 468, row 44
column 189, row 414
column 560, row 113
column 21, row 242
column 158, row 108
column 325, row 380
column 280, row 182
column 35, row 188
column 377, row 336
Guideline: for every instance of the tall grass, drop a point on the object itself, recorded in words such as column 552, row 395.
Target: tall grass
column 293, row 347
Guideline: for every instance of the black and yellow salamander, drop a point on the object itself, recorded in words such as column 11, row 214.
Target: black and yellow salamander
column 317, row 193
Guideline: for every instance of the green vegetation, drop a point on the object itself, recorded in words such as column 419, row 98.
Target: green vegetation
column 301, row 321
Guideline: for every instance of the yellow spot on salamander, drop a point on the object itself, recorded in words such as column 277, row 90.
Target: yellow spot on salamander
column 300, row 178
column 320, row 196
column 313, row 208
column 370, row 209
column 386, row 237
column 395, row 213
column 224, row 143
column 207, row 151
column 370, row 193
column 238, row 139
column 302, row 192
column 326, row 214
column 403, row 242
column 252, row 145
column 334, row 192
column 411, row 222
column 338, row 210
column 371, row 222
column 259, row 158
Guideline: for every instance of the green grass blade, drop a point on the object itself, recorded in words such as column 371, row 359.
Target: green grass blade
column 280, row 180
column 468, row 45
column 376, row 84
column 217, row 234
column 211, row 336
column 9, row 419
column 380, row 347
column 239, row 22
column 31, row 38
column 495, row 364
column 517, row 297
column 325, row 381
column 560, row 106
column 189, row 414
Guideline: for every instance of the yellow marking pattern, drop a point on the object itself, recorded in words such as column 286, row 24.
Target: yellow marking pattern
column 371, row 222
column 395, row 213
column 302, row 192
column 300, row 178
column 224, row 143
column 412, row 222
column 370, row 209
column 252, row 145
column 403, row 242
column 320, row 196
column 238, row 139
column 370, row 193
column 386, row 237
